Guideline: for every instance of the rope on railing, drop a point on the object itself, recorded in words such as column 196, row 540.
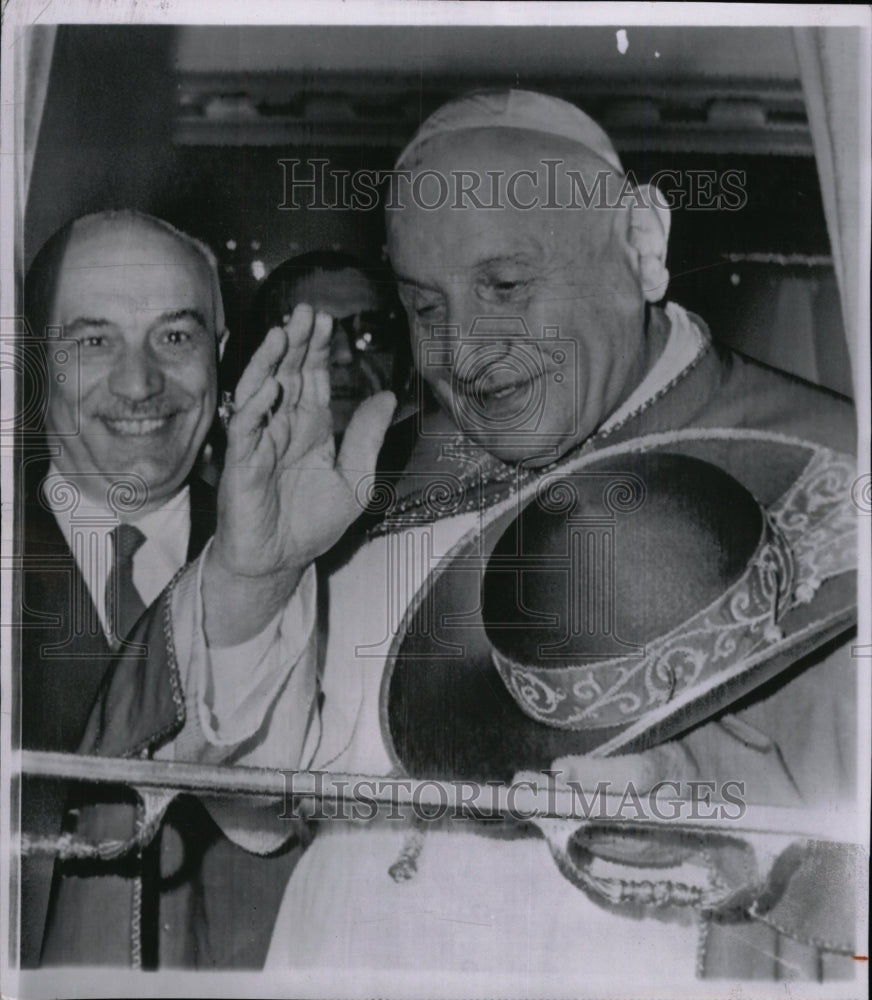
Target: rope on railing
column 69, row 847
column 425, row 796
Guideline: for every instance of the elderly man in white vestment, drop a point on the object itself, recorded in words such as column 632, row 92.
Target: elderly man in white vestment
column 466, row 896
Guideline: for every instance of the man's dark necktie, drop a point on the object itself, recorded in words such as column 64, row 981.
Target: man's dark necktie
column 124, row 606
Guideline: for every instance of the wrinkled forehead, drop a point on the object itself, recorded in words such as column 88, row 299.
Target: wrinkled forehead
column 522, row 177
column 124, row 264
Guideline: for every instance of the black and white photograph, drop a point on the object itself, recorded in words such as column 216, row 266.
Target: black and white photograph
column 437, row 508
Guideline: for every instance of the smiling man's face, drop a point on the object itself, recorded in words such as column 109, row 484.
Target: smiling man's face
column 139, row 303
column 468, row 275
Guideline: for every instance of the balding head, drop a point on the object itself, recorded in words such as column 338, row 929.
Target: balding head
column 125, row 225
column 140, row 304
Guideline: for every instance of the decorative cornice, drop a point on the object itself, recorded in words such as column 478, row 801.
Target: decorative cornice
column 339, row 109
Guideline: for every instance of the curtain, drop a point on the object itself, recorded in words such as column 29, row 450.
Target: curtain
column 832, row 65
column 33, row 84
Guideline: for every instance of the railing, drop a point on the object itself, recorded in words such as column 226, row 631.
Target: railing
column 461, row 798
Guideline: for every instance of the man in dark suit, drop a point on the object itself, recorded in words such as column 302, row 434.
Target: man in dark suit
column 118, row 578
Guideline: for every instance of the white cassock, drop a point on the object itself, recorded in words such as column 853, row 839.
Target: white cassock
column 486, row 900
column 479, row 902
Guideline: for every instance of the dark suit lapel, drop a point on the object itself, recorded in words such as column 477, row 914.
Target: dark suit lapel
column 64, row 658
column 65, row 654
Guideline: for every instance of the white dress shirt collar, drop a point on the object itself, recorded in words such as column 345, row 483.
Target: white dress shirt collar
column 87, row 526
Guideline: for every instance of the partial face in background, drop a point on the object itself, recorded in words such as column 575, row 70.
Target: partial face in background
column 528, row 325
column 362, row 348
column 139, row 303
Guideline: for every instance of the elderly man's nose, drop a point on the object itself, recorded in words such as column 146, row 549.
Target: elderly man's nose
column 471, row 317
column 498, row 326
column 341, row 352
column 137, row 376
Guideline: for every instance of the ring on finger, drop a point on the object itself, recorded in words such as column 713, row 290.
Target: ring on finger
column 226, row 409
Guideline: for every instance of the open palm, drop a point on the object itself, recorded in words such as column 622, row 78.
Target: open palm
column 285, row 497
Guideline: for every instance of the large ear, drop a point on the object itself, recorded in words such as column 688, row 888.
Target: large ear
column 649, row 237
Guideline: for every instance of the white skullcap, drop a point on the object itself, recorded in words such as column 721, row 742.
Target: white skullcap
column 521, row 109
